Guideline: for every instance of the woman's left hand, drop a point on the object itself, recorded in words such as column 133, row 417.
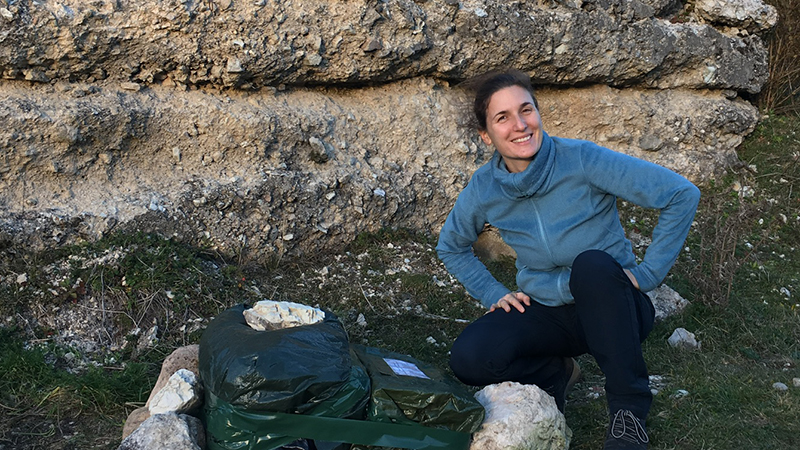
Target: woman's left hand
column 632, row 278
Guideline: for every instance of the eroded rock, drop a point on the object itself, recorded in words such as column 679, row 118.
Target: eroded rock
column 681, row 338
column 751, row 15
column 521, row 417
column 167, row 431
column 251, row 171
column 255, row 44
column 183, row 394
column 272, row 315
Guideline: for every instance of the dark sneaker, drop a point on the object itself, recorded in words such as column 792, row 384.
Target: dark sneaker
column 626, row 432
column 572, row 372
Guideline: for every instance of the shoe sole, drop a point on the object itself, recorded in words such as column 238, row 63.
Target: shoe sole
column 573, row 377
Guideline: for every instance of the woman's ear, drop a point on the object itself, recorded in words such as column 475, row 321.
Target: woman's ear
column 485, row 136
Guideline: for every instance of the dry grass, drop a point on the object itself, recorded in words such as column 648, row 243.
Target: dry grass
column 781, row 95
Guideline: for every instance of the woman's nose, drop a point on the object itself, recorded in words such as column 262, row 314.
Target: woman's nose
column 519, row 123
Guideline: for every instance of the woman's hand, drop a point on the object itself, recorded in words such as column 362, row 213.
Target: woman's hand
column 515, row 299
column 632, row 278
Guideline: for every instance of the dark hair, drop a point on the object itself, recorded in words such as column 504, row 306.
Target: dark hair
column 487, row 84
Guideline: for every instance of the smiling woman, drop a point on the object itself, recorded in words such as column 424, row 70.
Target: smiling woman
column 513, row 126
column 554, row 202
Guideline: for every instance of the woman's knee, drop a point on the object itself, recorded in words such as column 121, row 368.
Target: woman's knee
column 592, row 267
column 479, row 362
column 465, row 361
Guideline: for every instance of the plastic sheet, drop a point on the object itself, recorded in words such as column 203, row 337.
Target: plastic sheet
column 406, row 390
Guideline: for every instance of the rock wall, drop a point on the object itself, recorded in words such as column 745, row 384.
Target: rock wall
column 290, row 126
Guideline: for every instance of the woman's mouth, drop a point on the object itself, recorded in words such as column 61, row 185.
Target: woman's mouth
column 522, row 139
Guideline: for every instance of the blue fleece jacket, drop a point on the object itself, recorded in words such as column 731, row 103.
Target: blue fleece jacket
column 564, row 203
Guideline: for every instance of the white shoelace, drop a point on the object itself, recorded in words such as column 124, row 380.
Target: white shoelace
column 626, row 426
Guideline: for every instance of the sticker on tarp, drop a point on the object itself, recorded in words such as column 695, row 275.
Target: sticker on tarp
column 405, row 368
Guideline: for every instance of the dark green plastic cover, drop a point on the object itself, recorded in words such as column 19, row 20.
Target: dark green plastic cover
column 306, row 370
column 406, row 390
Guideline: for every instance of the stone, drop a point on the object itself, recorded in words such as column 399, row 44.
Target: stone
column 667, row 302
column 781, row 387
column 183, row 394
column 681, row 338
column 272, row 315
column 187, row 357
column 134, row 420
column 167, row 431
column 752, row 15
column 796, row 382
column 520, row 417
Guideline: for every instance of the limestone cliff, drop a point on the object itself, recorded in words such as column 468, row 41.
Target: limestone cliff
column 277, row 126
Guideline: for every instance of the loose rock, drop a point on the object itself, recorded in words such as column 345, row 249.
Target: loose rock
column 778, row 386
column 522, row 417
column 182, row 394
column 272, row 315
column 167, row 431
column 681, row 338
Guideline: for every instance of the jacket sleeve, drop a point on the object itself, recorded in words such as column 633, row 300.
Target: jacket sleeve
column 650, row 186
column 454, row 248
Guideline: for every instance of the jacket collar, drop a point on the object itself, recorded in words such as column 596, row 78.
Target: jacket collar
column 529, row 181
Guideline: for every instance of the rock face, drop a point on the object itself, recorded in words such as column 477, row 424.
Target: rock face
column 291, row 126
column 520, row 417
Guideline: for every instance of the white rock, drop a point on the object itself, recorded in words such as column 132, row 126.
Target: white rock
column 22, row 278
column 780, row 386
column 8, row 15
column 796, row 382
column 361, row 320
column 683, row 339
column 520, row 417
column 272, row 315
column 680, row 393
column 167, row 431
column 181, row 394
column 666, row 301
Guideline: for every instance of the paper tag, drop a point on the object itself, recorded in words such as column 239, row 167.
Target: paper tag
column 405, row 368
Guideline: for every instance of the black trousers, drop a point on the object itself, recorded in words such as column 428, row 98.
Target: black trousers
column 609, row 319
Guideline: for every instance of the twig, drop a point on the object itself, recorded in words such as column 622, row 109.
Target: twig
column 365, row 297
column 438, row 317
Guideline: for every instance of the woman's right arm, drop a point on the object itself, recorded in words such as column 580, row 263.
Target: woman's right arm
column 459, row 232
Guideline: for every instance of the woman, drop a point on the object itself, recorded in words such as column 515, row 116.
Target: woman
column 581, row 289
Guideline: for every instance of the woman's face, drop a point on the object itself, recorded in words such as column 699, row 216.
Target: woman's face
column 513, row 126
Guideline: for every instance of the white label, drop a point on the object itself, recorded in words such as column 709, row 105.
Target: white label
column 405, row 368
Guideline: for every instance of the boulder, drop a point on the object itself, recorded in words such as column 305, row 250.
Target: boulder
column 167, row 431
column 520, row 417
column 134, row 420
column 181, row 358
column 187, row 357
